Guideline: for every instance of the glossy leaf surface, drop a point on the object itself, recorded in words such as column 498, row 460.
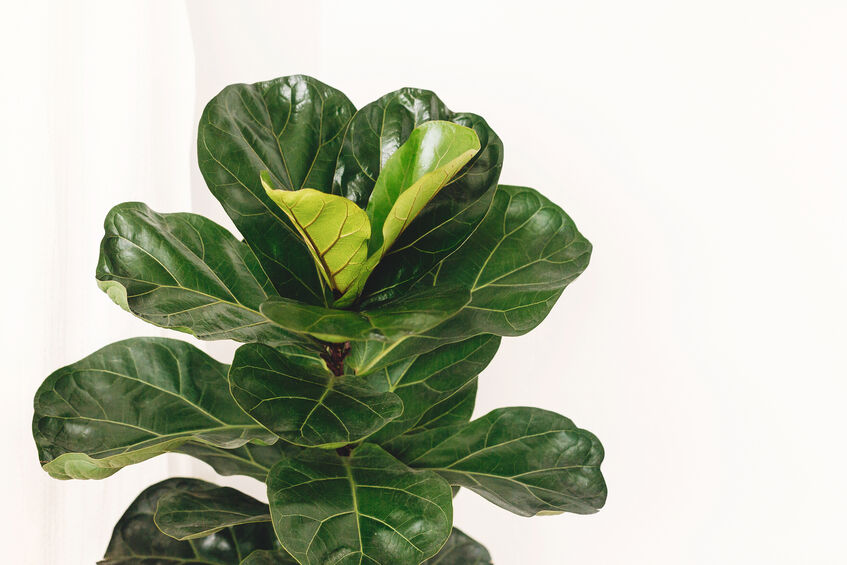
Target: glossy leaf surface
column 516, row 265
column 428, row 384
column 137, row 541
column 248, row 460
column 527, row 460
column 185, row 272
column 374, row 134
column 334, row 228
column 196, row 512
column 461, row 549
column 292, row 127
column 133, row 400
column 364, row 508
column 414, row 174
column 301, row 401
column 269, row 557
column 408, row 315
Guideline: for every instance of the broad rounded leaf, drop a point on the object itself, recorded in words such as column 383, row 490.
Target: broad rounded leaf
column 196, row 512
column 391, row 321
column 455, row 409
column 249, row 460
column 527, row 460
column 364, row 508
column 185, row 272
column 461, row 549
column 301, row 401
column 267, row 557
column 428, row 384
column 137, row 541
column 516, row 265
column 374, row 134
column 414, row 174
column 292, row 127
column 334, row 228
column 133, row 400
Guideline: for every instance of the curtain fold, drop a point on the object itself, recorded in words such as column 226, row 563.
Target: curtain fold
column 101, row 112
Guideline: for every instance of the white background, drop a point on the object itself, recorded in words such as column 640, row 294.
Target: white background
column 699, row 145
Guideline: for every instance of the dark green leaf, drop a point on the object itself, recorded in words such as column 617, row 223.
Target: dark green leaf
column 133, row 400
column 301, row 401
column 374, row 134
column 267, row 557
column 461, row 549
column 455, row 409
column 527, row 460
column 390, row 321
column 516, row 265
column 428, row 384
column 185, row 272
column 196, row 512
column 137, row 541
column 364, row 508
column 249, row 460
column 293, row 128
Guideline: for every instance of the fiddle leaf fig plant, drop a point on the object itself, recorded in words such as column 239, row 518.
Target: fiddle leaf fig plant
column 380, row 266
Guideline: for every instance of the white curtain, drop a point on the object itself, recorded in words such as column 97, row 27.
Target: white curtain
column 700, row 146
column 100, row 100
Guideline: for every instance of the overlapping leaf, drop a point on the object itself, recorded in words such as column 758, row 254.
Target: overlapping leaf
column 334, row 228
column 527, row 460
column 364, row 508
column 268, row 557
column 374, row 134
column 408, row 315
column 414, row 174
column 248, row 460
column 137, row 541
column 292, row 127
column 203, row 509
column 433, row 386
column 515, row 265
column 185, row 272
column 461, row 549
column 133, row 400
column 301, row 401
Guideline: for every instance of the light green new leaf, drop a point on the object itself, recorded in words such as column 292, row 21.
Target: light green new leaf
column 527, row 460
column 301, row 401
column 137, row 541
column 191, row 513
column 364, row 508
column 373, row 135
column 461, row 549
column 413, row 175
column 133, row 400
column 185, row 272
column 334, row 228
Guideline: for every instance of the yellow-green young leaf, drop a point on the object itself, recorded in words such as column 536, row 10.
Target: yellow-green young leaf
column 413, row 175
column 334, row 228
